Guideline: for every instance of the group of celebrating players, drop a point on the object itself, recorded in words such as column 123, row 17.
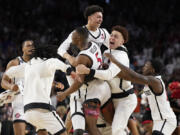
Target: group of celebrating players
column 101, row 91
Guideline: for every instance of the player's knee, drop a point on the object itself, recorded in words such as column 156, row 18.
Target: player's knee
column 155, row 132
column 78, row 132
column 91, row 108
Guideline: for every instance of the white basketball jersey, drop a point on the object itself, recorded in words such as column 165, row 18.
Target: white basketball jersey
column 159, row 104
column 94, row 53
column 20, row 81
column 18, row 99
column 119, row 85
column 100, row 36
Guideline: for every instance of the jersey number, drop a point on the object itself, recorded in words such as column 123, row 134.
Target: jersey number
column 98, row 59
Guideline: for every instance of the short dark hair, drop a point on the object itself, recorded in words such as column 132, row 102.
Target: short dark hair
column 157, row 65
column 82, row 32
column 92, row 9
column 23, row 43
column 123, row 31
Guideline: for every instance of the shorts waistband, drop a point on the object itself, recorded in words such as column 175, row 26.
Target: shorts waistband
column 123, row 94
column 39, row 106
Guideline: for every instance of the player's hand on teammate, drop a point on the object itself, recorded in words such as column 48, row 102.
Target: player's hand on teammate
column 82, row 69
column 111, row 57
column 61, row 96
column 14, row 87
column 75, row 76
column 58, row 85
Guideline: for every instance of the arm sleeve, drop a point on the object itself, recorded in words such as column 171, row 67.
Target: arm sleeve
column 113, row 69
column 55, row 64
column 106, row 41
column 65, row 45
column 16, row 71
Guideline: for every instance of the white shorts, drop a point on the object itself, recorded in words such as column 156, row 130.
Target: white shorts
column 98, row 89
column 45, row 120
column 166, row 126
column 77, row 114
column 124, row 107
column 18, row 109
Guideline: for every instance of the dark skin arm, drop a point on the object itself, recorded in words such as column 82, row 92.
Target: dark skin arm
column 81, row 59
column 6, row 82
column 134, row 77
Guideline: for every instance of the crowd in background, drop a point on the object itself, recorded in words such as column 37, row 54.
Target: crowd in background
column 154, row 31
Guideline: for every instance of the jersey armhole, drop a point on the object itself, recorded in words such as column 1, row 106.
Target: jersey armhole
column 89, row 58
column 157, row 94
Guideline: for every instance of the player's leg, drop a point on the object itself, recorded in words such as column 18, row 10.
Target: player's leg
column 132, row 125
column 77, row 116
column 164, row 127
column 108, row 111
column 19, row 123
column 42, row 132
column 19, row 127
column 91, row 109
column 68, row 122
column 123, row 109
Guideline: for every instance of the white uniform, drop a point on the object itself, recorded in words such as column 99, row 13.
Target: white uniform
column 164, row 119
column 38, row 78
column 17, row 103
column 100, row 36
column 123, row 96
column 95, row 89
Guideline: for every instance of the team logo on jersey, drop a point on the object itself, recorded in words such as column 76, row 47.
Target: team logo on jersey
column 102, row 36
column 17, row 115
column 147, row 93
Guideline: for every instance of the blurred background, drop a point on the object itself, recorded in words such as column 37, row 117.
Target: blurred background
column 153, row 25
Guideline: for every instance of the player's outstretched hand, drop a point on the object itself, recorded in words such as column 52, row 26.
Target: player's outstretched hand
column 111, row 57
column 82, row 69
column 61, row 96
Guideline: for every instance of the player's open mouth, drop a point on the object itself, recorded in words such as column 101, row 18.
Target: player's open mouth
column 111, row 43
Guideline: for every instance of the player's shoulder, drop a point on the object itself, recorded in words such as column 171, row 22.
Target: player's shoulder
column 13, row 62
column 104, row 30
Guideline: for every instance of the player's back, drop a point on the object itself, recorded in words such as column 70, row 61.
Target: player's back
column 38, row 81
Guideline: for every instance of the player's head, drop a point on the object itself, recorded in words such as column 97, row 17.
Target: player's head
column 45, row 51
column 153, row 67
column 80, row 37
column 27, row 47
column 118, row 37
column 94, row 15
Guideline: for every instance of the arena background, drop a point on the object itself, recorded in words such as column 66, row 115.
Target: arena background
column 154, row 27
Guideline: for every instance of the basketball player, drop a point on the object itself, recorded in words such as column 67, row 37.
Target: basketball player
column 38, row 76
column 94, row 16
column 164, row 119
column 17, row 104
column 123, row 95
column 96, row 92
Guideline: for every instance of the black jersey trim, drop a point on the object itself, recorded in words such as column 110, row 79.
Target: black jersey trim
column 163, row 126
column 157, row 94
column 89, row 58
column 122, row 49
column 92, row 34
column 158, row 107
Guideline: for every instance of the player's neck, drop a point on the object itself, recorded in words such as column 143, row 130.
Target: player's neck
column 26, row 58
column 91, row 28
